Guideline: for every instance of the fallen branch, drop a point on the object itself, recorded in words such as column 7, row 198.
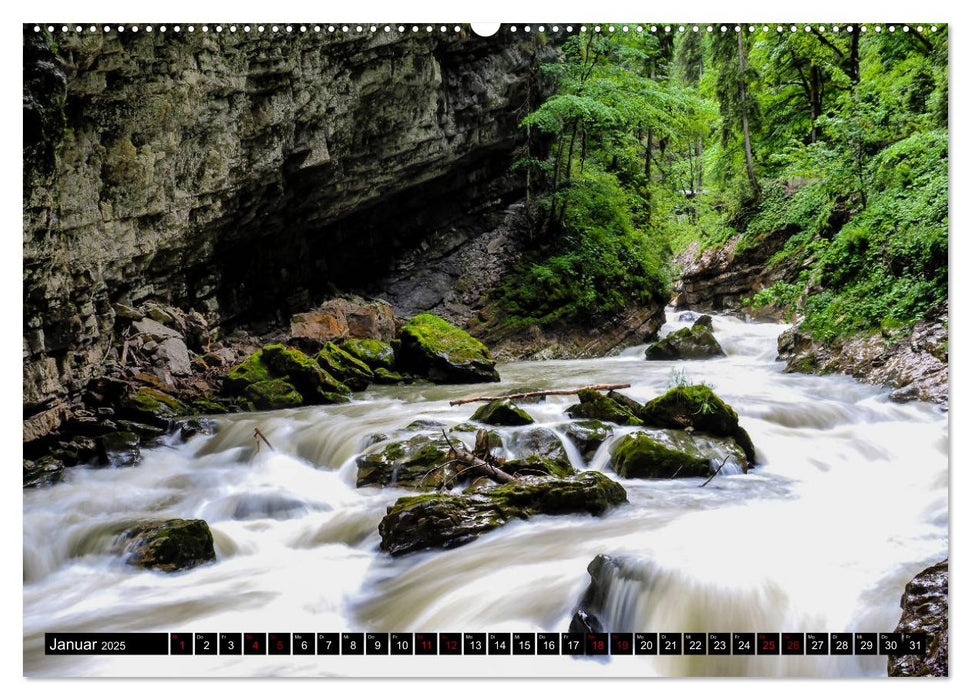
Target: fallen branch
column 716, row 471
column 549, row 392
column 477, row 465
column 258, row 434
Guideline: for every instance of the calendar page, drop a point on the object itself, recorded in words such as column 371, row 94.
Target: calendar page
column 468, row 350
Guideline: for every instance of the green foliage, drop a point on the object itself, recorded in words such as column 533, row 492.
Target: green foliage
column 645, row 154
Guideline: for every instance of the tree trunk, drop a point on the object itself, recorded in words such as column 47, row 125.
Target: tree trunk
column 749, row 164
column 815, row 101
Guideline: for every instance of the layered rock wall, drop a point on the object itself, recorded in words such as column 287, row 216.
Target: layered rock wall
column 245, row 176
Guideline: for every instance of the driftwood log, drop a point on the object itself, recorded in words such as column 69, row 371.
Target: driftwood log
column 549, row 392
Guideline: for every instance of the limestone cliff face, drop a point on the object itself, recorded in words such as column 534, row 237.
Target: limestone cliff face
column 245, row 176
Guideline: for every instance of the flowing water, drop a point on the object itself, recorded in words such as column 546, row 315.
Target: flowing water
column 849, row 502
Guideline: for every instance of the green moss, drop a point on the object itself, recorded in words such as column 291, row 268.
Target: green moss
column 374, row 353
column 344, row 366
column 208, row 406
column 250, row 371
column 438, row 336
column 594, row 405
column 169, row 545
column 639, row 456
column 273, row 394
column 502, row 413
column 697, row 407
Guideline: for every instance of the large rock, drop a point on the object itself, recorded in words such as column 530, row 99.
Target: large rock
column 420, row 462
column 434, row 348
column 539, row 441
column 169, row 545
column 697, row 407
column 444, row 521
column 502, row 413
column 376, row 354
column 281, row 377
column 341, row 318
column 640, row 456
column 119, row 449
column 45, row 471
column 595, row 406
column 925, row 609
column 694, row 343
column 151, row 406
column 344, row 367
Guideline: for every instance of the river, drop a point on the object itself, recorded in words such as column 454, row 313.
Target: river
column 849, row 501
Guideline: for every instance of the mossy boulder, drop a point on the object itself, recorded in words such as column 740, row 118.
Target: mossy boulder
column 502, row 413
column 344, row 366
column 279, row 377
column 445, row 521
column 273, row 394
column 432, row 347
column 588, row 436
column 417, row 463
column 699, row 408
column 695, row 343
column 169, row 545
column 376, row 354
column 151, row 406
column 303, row 372
column 595, row 406
column 640, row 456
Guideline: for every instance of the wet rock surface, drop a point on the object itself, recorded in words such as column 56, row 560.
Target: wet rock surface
column 605, row 571
column 694, row 343
column 419, row 463
column 588, row 436
column 925, row 609
column 445, row 521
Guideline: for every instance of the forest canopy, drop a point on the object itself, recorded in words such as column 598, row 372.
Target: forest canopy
column 652, row 141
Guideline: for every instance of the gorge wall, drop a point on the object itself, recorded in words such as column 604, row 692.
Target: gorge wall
column 247, row 176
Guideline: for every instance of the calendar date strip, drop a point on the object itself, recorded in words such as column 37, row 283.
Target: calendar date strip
column 484, row 643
